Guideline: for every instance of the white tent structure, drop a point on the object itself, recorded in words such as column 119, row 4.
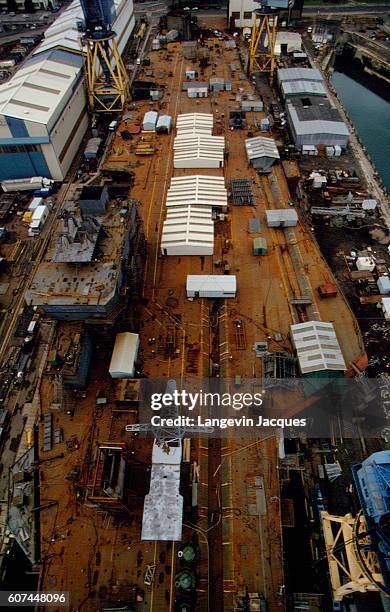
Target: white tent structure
column 124, row 355
column 198, row 123
column 198, row 151
column 211, row 286
column 188, row 230
column 317, row 347
column 197, row 190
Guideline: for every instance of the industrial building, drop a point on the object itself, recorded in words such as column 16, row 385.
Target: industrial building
column 314, row 121
column 240, row 12
column 43, row 107
column 88, row 262
column 299, row 74
column 311, row 117
column 262, row 152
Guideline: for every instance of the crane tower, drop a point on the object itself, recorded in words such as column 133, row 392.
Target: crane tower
column 263, row 37
column 106, row 78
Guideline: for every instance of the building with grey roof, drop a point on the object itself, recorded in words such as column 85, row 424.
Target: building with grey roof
column 262, row 152
column 299, row 74
column 302, row 88
column 314, row 121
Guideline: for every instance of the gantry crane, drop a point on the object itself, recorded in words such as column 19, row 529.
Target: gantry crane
column 358, row 549
column 261, row 56
column 106, row 78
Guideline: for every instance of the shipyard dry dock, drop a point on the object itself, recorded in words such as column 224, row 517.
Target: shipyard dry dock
column 91, row 546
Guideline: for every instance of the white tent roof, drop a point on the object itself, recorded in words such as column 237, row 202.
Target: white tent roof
column 194, row 122
column 186, row 226
column 193, row 140
column 299, row 74
column 197, row 190
column 226, row 283
column 317, row 347
column 261, row 146
column 124, row 355
column 190, row 148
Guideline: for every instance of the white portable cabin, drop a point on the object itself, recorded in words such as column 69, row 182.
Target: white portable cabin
column 197, row 190
column 383, row 283
column 124, row 355
column 197, row 92
column 150, row 121
column 188, row 230
column 198, row 151
column 211, row 286
column 365, row 264
column 385, row 305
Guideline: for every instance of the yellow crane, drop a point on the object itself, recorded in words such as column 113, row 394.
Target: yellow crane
column 261, row 57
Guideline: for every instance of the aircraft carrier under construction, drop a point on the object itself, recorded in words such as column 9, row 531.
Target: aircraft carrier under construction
column 180, row 250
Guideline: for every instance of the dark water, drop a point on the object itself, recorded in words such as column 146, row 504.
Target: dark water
column 367, row 102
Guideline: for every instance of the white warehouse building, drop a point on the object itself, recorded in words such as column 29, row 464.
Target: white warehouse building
column 43, row 107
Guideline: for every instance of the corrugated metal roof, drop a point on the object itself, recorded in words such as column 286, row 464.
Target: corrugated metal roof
column 37, row 89
column 260, row 146
column 190, row 149
column 294, row 88
column 315, row 126
column 299, row 74
column 317, row 347
column 197, row 190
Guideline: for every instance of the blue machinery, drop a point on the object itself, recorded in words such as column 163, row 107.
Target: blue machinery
column 261, row 57
column 358, row 549
column 106, row 77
